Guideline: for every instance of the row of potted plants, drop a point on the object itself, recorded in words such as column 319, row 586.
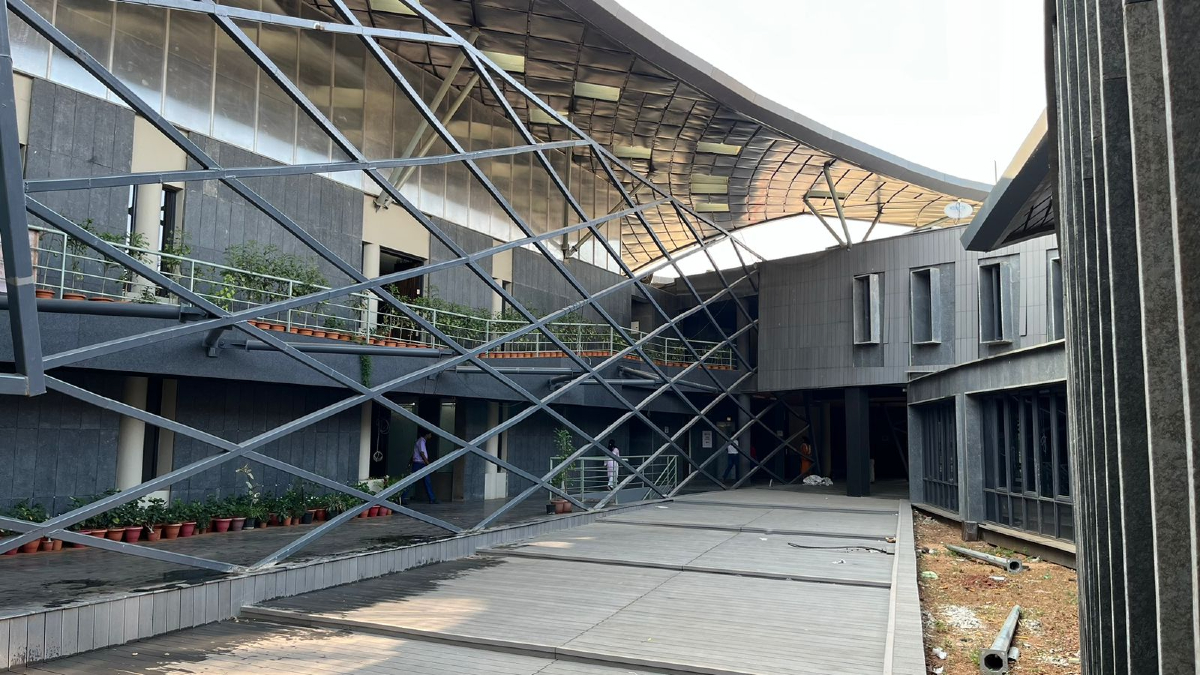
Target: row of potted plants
column 154, row 519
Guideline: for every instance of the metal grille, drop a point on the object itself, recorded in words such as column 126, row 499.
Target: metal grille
column 1027, row 482
column 939, row 445
column 35, row 371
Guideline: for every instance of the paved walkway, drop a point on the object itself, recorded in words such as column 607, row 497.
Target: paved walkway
column 752, row 581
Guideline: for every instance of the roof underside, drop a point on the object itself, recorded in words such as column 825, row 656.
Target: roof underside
column 670, row 105
column 1021, row 206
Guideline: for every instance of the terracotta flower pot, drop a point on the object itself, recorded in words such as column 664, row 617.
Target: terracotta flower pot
column 115, row 534
column 322, row 515
column 187, row 529
column 47, row 544
column 171, row 531
column 374, row 511
column 287, row 521
column 236, row 524
column 100, row 298
column 11, row 551
column 31, row 547
column 384, row 511
column 221, row 524
column 278, row 328
column 43, row 293
column 306, row 331
column 364, row 513
column 293, row 330
column 274, row 519
column 74, row 296
column 318, row 333
column 133, row 534
column 153, row 533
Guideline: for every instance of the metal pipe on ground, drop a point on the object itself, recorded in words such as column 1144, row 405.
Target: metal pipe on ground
column 134, row 309
column 1011, row 565
column 995, row 659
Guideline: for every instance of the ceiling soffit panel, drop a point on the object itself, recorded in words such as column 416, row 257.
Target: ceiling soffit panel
column 670, row 101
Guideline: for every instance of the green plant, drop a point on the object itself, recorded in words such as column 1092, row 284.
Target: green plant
column 293, row 502
column 564, row 443
column 34, row 513
column 154, row 513
column 177, row 512
column 218, row 508
column 364, row 369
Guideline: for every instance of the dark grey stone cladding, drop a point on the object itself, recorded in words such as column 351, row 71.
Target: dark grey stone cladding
column 73, row 135
column 215, row 218
column 53, row 447
column 238, row 412
column 460, row 285
column 542, row 288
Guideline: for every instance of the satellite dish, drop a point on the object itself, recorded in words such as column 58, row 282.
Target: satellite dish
column 958, row 210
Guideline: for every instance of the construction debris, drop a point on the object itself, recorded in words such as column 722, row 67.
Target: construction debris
column 995, row 659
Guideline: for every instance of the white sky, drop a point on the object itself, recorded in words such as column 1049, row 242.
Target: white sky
column 954, row 85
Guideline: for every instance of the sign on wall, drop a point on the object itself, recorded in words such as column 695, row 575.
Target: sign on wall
column 706, row 439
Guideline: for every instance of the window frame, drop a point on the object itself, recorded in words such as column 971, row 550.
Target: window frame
column 867, row 307
column 932, row 283
column 995, row 309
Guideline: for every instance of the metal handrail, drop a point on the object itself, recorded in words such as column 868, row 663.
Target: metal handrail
column 587, row 477
column 65, row 266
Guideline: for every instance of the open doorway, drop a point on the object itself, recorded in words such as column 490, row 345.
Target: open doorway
column 391, row 262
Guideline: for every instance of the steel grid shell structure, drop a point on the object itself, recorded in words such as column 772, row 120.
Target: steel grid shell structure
column 35, row 371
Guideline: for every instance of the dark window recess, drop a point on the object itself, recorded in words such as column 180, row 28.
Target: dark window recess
column 925, row 305
column 868, row 314
column 1054, row 303
column 1026, row 462
column 939, row 454
column 995, row 303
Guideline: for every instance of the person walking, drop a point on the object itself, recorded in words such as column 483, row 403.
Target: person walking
column 420, row 459
column 611, row 464
column 732, row 459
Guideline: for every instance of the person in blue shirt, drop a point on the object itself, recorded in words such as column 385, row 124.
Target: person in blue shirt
column 420, row 458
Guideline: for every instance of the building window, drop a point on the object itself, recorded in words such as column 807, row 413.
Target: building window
column 867, row 309
column 925, row 305
column 1027, row 481
column 939, row 455
column 1054, row 304
column 995, row 303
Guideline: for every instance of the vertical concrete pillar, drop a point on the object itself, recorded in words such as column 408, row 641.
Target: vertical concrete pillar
column 969, row 439
column 370, row 268
column 858, row 446
column 743, row 418
column 131, row 435
column 364, row 440
column 495, row 483
column 147, row 217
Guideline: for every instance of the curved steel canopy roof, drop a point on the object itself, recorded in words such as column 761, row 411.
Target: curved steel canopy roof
column 736, row 156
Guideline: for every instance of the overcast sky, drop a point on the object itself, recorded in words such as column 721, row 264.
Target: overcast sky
column 954, row 85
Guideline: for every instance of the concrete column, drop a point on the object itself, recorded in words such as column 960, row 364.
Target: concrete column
column 495, row 484
column 364, row 441
column 166, row 437
column 147, row 218
column 858, row 448
column 370, row 268
column 969, row 439
column 131, row 435
column 743, row 418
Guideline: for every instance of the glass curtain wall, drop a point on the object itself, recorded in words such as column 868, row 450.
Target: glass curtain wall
column 199, row 79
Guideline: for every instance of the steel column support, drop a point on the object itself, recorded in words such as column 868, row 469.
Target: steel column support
column 837, row 203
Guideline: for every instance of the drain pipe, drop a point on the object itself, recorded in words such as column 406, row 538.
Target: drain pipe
column 994, row 661
column 1011, row 565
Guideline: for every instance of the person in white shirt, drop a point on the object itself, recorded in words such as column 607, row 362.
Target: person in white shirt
column 612, row 464
column 732, row 460
column 420, row 458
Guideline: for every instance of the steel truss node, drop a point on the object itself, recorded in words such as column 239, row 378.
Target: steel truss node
column 17, row 196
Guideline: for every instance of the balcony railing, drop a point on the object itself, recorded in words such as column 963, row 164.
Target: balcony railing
column 590, row 478
column 66, row 268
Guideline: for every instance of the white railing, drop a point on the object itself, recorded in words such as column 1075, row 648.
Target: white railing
column 66, row 268
column 591, row 477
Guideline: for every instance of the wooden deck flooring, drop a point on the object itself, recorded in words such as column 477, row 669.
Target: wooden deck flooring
column 708, row 584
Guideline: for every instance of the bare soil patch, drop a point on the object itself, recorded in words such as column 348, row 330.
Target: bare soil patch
column 966, row 605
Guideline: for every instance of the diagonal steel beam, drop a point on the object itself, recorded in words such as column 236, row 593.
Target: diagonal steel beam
column 837, row 203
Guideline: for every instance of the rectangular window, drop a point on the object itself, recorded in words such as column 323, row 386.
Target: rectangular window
column 867, row 310
column 995, row 303
column 1054, row 303
column 925, row 305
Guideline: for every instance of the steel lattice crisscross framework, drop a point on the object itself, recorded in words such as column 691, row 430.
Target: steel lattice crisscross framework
column 31, row 366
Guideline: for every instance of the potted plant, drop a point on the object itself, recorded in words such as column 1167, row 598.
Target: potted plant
column 34, row 513
column 564, row 443
column 219, row 513
column 153, row 515
column 133, row 519
column 187, row 516
column 173, row 517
